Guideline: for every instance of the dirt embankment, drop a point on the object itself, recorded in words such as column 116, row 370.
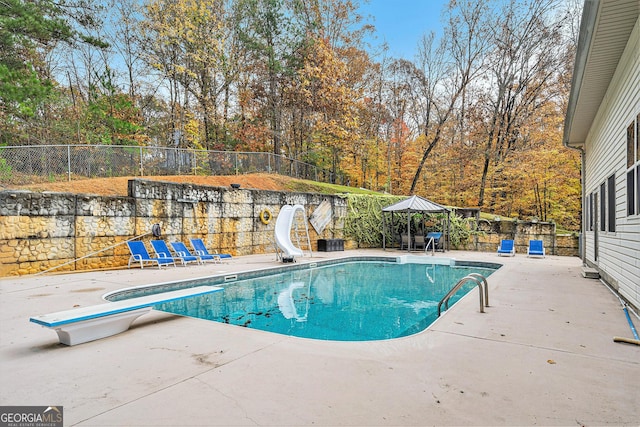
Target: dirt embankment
column 118, row 186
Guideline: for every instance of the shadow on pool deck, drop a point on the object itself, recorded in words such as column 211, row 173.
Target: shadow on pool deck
column 542, row 354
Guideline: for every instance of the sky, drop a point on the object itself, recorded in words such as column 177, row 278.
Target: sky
column 401, row 23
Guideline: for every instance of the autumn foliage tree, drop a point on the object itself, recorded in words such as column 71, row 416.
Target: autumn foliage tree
column 475, row 119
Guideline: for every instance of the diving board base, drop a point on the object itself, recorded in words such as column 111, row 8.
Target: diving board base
column 101, row 327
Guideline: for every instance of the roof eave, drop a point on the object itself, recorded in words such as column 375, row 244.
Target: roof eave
column 587, row 27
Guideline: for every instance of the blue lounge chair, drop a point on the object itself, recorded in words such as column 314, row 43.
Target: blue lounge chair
column 181, row 250
column 506, row 248
column 162, row 251
column 201, row 250
column 536, row 248
column 139, row 254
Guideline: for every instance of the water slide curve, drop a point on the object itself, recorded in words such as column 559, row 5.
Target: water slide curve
column 284, row 221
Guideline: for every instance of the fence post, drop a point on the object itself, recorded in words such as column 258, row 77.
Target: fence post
column 69, row 162
column 141, row 163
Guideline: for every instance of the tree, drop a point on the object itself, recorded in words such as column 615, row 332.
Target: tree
column 447, row 70
column 28, row 30
column 332, row 103
column 272, row 43
column 523, row 66
column 185, row 40
column 327, row 94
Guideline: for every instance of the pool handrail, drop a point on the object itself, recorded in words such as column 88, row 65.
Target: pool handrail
column 480, row 281
column 486, row 286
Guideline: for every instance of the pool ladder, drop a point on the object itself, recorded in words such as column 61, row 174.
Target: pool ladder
column 483, row 291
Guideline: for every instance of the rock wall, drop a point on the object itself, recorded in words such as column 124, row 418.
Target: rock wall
column 492, row 232
column 64, row 232
column 41, row 231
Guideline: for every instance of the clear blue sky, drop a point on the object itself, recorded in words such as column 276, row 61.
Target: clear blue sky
column 401, row 23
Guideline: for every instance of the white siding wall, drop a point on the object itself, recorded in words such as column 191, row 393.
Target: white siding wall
column 619, row 251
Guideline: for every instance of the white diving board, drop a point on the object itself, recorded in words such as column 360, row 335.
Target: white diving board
column 80, row 325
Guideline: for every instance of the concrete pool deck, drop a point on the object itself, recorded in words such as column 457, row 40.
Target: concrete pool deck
column 542, row 354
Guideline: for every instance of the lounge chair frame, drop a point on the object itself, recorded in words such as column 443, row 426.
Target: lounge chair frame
column 184, row 252
column 162, row 251
column 202, row 251
column 140, row 254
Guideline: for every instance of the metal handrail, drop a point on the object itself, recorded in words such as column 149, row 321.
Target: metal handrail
column 431, row 242
column 486, row 286
column 480, row 280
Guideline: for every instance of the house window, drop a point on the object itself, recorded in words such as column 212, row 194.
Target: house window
column 611, row 203
column 633, row 167
column 631, row 195
column 631, row 145
column 638, row 189
column 589, row 210
column 603, row 207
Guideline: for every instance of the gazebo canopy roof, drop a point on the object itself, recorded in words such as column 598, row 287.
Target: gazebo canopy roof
column 415, row 203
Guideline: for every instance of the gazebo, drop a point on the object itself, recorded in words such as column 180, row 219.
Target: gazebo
column 411, row 205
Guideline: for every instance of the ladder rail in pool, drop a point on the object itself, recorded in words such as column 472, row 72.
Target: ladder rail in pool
column 483, row 291
column 486, row 286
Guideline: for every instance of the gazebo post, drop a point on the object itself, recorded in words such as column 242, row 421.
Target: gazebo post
column 446, row 240
column 409, row 230
column 384, row 229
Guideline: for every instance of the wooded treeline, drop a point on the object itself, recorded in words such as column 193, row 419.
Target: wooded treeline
column 475, row 119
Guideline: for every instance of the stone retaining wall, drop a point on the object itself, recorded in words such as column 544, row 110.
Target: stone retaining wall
column 42, row 231
column 521, row 232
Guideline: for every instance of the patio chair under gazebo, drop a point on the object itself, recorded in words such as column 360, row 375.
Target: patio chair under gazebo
column 410, row 206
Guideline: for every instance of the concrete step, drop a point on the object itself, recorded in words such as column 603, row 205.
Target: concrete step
column 590, row 273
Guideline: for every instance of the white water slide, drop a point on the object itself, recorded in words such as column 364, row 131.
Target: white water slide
column 284, row 223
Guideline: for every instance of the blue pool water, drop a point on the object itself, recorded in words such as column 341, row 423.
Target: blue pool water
column 350, row 301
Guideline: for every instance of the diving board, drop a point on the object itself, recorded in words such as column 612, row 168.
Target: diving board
column 84, row 324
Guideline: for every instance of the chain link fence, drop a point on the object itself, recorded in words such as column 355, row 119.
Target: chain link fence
column 69, row 162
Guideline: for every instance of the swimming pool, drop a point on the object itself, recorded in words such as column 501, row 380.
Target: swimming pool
column 351, row 300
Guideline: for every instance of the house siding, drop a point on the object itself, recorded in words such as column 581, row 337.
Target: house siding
column 618, row 258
